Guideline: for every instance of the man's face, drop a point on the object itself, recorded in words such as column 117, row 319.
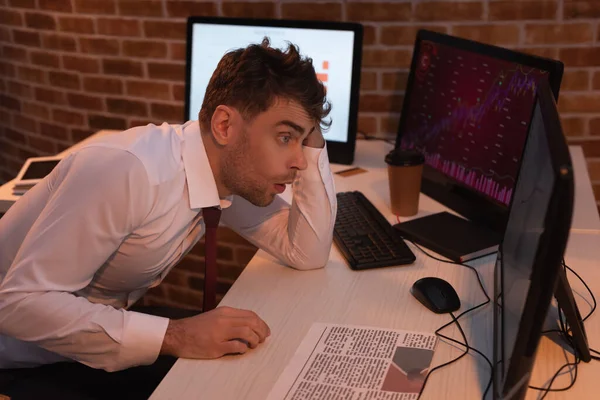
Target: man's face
column 267, row 153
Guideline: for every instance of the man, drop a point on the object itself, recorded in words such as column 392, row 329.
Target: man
column 117, row 215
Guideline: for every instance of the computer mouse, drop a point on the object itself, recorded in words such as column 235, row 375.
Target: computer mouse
column 436, row 294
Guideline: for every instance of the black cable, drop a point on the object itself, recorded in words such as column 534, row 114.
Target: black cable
column 455, row 320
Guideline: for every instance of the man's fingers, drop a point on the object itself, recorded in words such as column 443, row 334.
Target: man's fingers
column 233, row 347
column 249, row 318
column 246, row 334
column 256, row 324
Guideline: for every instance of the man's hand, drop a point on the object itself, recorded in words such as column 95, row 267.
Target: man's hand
column 224, row 330
column 315, row 139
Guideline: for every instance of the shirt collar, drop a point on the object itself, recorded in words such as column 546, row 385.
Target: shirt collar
column 202, row 188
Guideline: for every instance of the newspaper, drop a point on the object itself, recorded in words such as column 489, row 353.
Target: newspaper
column 356, row 363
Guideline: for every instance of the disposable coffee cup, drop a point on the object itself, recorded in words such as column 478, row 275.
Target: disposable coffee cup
column 405, row 168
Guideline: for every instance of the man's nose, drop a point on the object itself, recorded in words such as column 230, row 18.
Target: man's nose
column 300, row 160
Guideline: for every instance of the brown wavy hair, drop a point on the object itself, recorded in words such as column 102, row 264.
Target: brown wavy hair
column 252, row 78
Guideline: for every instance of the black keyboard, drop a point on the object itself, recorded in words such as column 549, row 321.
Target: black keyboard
column 365, row 237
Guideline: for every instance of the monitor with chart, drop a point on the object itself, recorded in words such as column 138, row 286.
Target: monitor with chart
column 528, row 266
column 334, row 47
column 467, row 108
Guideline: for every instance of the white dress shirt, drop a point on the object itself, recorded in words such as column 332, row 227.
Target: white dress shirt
column 110, row 222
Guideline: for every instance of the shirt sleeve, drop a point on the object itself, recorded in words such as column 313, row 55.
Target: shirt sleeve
column 95, row 198
column 299, row 235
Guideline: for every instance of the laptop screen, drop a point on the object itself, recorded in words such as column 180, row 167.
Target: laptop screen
column 330, row 50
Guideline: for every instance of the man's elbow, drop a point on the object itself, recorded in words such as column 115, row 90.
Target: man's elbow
column 313, row 260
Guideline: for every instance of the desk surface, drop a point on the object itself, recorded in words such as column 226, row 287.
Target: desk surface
column 290, row 301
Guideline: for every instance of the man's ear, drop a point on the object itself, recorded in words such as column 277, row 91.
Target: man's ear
column 222, row 124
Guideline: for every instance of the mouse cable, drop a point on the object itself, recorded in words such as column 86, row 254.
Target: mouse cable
column 455, row 320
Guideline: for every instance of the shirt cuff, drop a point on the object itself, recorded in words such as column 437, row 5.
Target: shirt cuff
column 318, row 169
column 142, row 338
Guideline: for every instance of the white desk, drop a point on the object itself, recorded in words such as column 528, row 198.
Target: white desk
column 290, row 301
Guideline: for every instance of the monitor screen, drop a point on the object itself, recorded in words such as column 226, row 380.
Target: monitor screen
column 468, row 108
column 39, row 169
column 332, row 52
column 469, row 114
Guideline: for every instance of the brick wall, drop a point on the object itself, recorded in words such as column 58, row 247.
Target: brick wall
column 71, row 67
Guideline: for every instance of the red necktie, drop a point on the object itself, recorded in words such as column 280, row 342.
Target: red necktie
column 211, row 217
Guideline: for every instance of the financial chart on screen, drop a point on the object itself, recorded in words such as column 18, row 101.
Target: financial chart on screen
column 469, row 114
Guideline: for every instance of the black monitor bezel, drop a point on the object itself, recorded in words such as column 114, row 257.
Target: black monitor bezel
column 339, row 152
column 547, row 262
column 448, row 191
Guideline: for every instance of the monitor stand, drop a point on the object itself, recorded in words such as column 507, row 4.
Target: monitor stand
column 566, row 303
column 451, row 236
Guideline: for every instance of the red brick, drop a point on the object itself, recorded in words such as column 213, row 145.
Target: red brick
column 178, row 51
column 126, row 107
column 15, row 136
column 591, row 147
column 50, row 96
column 7, row 70
column 511, row 10
column 67, row 117
column 225, row 234
column 380, row 102
column 99, row 46
column 26, row 38
column 369, row 35
column 595, row 127
column 14, row 53
column 571, row 102
column 148, row 90
column 144, row 49
column 165, row 30
column 65, row 80
column 23, row 123
column 22, row 3
column 448, row 11
column 102, row 85
column 5, row 34
column 185, row 8
column 45, row 59
column 558, row 33
column 581, row 9
column 26, row 153
column 81, row 64
column 52, row 41
column 573, row 126
column 386, row 58
column 405, row 35
column 593, row 167
column 178, row 92
column 35, row 109
column 249, row 10
column 167, row 112
column 580, row 56
column 395, row 81
column 56, row 5
column 546, row 52
column 575, row 80
column 168, row 71
column 596, row 81
column 80, row 134
column 367, row 124
column 184, row 296
column 19, row 89
column 95, row 6
column 58, row 132
column 368, row 80
column 40, row 21
column 119, row 27
column 365, row 11
column 104, row 122
column 389, row 123
column 32, row 75
column 76, row 24
column 492, row 34
column 312, row 11
column 41, row 145
column 122, row 66
column 85, row 102
column 141, row 8
column 11, row 17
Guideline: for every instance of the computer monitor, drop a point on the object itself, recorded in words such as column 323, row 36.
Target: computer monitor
column 467, row 108
column 334, row 47
column 528, row 268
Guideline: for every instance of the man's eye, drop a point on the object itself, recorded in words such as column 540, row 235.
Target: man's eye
column 285, row 139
